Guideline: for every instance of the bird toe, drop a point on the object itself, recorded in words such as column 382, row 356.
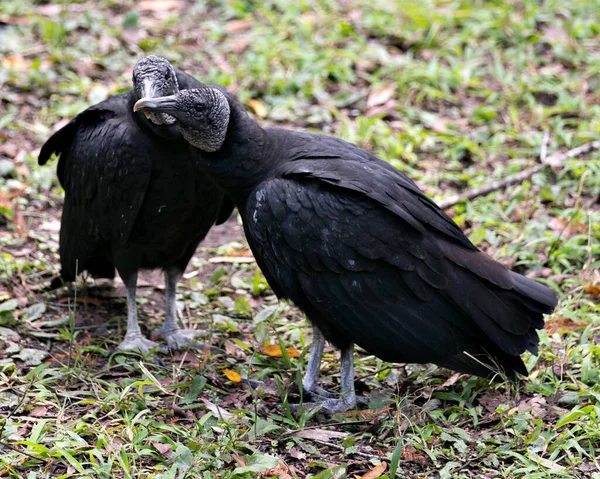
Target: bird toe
column 139, row 342
column 186, row 338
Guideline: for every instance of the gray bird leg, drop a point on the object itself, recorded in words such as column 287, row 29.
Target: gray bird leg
column 311, row 377
column 347, row 400
column 134, row 339
column 176, row 337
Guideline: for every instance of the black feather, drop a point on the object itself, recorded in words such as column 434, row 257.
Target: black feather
column 369, row 258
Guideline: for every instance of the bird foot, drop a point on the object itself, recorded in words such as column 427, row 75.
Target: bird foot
column 317, row 393
column 329, row 405
column 186, row 338
column 138, row 341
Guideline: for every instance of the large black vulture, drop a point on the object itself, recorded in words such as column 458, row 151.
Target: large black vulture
column 134, row 196
column 360, row 249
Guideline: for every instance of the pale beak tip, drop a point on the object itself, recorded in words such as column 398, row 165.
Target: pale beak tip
column 144, row 103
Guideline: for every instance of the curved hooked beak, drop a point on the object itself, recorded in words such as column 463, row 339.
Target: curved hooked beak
column 163, row 104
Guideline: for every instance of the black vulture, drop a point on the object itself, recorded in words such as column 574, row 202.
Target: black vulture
column 134, row 196
column 355, row 244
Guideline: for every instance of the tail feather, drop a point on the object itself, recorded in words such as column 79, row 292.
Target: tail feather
column 535, row 295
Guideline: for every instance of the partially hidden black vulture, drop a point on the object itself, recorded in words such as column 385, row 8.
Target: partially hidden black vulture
column 355, row 244
column 134, row 196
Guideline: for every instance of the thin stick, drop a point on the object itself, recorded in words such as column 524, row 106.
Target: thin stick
column 555, row 160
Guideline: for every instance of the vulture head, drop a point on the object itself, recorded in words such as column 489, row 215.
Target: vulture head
column 202, row 115
column 154, row 76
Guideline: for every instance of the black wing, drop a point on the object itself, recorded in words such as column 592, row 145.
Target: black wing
column 371, row 260
column 104, row 168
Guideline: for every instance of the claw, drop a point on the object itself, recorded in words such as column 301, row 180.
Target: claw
column 186, row 338
column 137, row 341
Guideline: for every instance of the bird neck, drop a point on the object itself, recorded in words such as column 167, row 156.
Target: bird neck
column 243, row 160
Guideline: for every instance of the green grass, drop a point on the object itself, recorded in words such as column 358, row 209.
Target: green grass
column 455, row 93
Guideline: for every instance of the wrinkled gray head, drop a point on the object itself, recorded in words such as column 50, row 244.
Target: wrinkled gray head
column 154, row 76
column 202, row 115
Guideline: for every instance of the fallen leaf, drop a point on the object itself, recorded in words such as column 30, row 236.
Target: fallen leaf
column 232, row 375
column 238, row 252
column 439, row 125
column 593, row 289
column 280, row 471
column 427, row 54
column 39, row 411
column 274, row 351
column 217, row 411
column 375, row 472
column 49, row 10
column 321, row 434
column 297, row 454
column 451, row 381
column 414, row 455
column 537, row 406
column 51, row 226
column 258, row 107
column 237, row 26
column 555, row 33
column 158, row 5
column 227, row 259
column 165, row 449
column 380, row 95
column 562, row 324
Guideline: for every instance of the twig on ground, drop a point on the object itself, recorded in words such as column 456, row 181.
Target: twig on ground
column 555, row 160
column 356, row 453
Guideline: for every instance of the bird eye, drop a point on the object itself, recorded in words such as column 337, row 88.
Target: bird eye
column 167, row 75
column 199, row 108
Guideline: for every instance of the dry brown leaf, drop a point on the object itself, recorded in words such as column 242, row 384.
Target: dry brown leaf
column 274, row 351
column 232, row 375
column 593, row 289
column 216, row 410
column 158, row 5
column 39, row 411
column 281, row 471
column 15, row 62
column 238, row 26
column 375, row 472
column 439, row 125
column 50, row 10
column 537, row 406
column 238, row 252
column 414, row 455
column 380, row 95
column 561, row 324
column 297, row 454
column 227, row 259
column 258, row 107
column 427, row 54
column 320, row 434
column 555, row 33
column 165, row 449
column 451, row 381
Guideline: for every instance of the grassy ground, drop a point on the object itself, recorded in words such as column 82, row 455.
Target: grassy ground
column 457, row 94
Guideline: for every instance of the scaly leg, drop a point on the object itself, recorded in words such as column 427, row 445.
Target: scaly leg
column 326, row 401
column 311, row 377
column 176, row 337
column 134, row 339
